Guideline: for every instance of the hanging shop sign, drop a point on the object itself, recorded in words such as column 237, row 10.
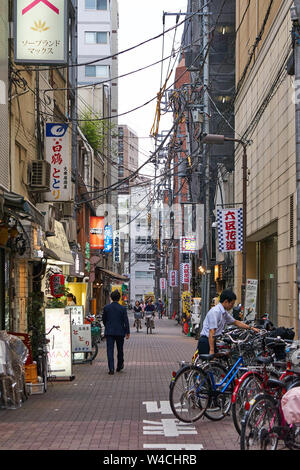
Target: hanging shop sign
column 185, row 273
column 163, row 283
column 108, row 238
column 57, row 283
column 173, row 278
column 76, row 314
column 230, row 229
column 60, row 344
column 41, row 31
column 96, row 233
column 116, row 249
column 187, row 244
column 57, row 153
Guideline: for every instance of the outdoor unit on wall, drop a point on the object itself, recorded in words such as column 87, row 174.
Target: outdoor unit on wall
column 39, row 175
column 48, row 210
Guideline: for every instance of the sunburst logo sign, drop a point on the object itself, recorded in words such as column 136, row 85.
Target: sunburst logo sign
column 40, row 31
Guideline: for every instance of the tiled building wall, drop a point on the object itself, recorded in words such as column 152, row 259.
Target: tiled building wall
column 271, row 156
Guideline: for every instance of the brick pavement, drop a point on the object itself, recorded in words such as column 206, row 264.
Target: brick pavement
column 97, row 411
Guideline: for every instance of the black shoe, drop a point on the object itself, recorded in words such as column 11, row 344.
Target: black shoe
column 111, row 372
column 120, row 368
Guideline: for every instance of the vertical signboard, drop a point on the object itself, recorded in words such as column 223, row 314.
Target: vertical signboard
column 187, row 244
column 60, row 345
column 230, row 229
column 116, row 252
column 108, row 238
column 96, row 233
column 250, row 299
column 163, row 283
column 57, row 153
column 185, row 273
column 173, row 278
column 41, row 31
column 81, row 338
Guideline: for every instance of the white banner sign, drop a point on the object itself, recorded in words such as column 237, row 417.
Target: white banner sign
column 81, row 338
column 59, row 156
column 230, row 229
column 173, row 278
column 40, row 31
column 250, row 299
column 60, row 348
column 163, row 283
column 185, row 273
column 116, row 247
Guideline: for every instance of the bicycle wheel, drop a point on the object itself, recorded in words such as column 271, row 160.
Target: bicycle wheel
column 220, row 403
column 91, row 355
column 246, row 390
column 258, row 428
column 189, row 393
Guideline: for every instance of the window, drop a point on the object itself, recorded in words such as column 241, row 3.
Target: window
column 98, row 71
column 95, row 37
column 144, row 257
column 143, row 275
column 96, row 4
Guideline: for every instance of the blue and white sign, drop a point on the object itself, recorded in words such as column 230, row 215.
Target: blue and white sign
column 108, row 239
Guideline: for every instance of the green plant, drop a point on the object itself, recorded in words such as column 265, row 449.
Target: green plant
column 35, row 319
column 96, row 132
column 58, row 302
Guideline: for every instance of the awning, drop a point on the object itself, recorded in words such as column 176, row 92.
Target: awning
column 23, row 208
column 59, row 245
column 113, row 275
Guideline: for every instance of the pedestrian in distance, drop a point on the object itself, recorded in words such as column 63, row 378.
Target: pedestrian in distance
column 115, row 320
column 71, row 299
column 216, row 320
column 150, row 311
column 137, row 312
column 160, row 308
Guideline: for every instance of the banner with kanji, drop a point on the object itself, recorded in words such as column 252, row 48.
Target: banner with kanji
column 185, row 273
column 173, row 278
column 230, row 229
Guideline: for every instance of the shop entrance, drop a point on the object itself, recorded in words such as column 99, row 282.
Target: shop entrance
column 267, row 275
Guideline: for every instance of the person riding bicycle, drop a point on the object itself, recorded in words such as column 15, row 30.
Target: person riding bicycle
column 150, row 310
column 138, row 312
column 215, row 321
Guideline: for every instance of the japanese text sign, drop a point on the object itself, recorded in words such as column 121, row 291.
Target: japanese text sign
column 230, row 229
column 163, row 283
column 187, row 244
column 81, row 338
column 97, row 233
column 41, row 31
column 185, row 273
column 59, row 157
column 173, row 278
column 108, row 238
column 116, row 253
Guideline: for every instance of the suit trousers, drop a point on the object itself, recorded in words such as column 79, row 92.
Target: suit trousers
column 110, row 346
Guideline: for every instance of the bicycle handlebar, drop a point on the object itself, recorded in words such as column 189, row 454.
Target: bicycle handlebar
column 238, row 341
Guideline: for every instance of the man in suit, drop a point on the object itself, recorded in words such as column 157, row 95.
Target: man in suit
column 116, row 324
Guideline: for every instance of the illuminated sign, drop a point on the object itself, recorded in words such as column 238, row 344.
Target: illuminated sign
column 187, row 244
column 41, row 35
column 108, row 239
column 97, row 233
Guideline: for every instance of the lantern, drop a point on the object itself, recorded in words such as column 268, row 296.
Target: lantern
column 57, row 282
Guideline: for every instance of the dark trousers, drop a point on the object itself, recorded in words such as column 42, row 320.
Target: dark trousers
column 110, row 346
column 203, row 345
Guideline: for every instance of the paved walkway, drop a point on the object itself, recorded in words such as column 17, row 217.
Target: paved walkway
column 126, row 411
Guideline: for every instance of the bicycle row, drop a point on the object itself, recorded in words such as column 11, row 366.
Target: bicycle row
column 250, row 376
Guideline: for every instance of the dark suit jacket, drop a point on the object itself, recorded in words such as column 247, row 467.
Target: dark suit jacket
column 115, row 320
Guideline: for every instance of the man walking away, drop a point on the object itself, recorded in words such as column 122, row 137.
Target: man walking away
column 116, row 324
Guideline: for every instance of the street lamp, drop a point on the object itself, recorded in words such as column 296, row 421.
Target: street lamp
column 220, row 140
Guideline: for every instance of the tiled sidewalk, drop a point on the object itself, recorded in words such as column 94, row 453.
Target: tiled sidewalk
column 97, row 411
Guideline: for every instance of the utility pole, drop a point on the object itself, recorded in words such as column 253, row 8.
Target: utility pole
column 206, row 251
column 295, row 16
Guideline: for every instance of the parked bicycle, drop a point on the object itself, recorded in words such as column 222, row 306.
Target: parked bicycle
column 265, row 424
column 149, row 320
column 205, row 388
column 43, row 368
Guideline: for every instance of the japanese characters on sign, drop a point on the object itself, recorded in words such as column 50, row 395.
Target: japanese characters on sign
column 185, row 273
column 41, row 31
column 97, row 233
column 230, row 229
column 173, row 278
column 81, row 338
column 163, row 283
column 108, row 238
column 116, row 253
column 58, row 155
column 187, row 244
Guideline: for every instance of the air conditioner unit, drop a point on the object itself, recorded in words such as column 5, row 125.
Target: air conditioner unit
column 48, row 210
column 39, row 175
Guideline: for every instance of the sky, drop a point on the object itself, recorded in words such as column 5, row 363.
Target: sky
column 140, row 20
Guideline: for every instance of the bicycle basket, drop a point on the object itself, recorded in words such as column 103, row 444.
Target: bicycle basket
column 95, row 330
column 290, row 404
